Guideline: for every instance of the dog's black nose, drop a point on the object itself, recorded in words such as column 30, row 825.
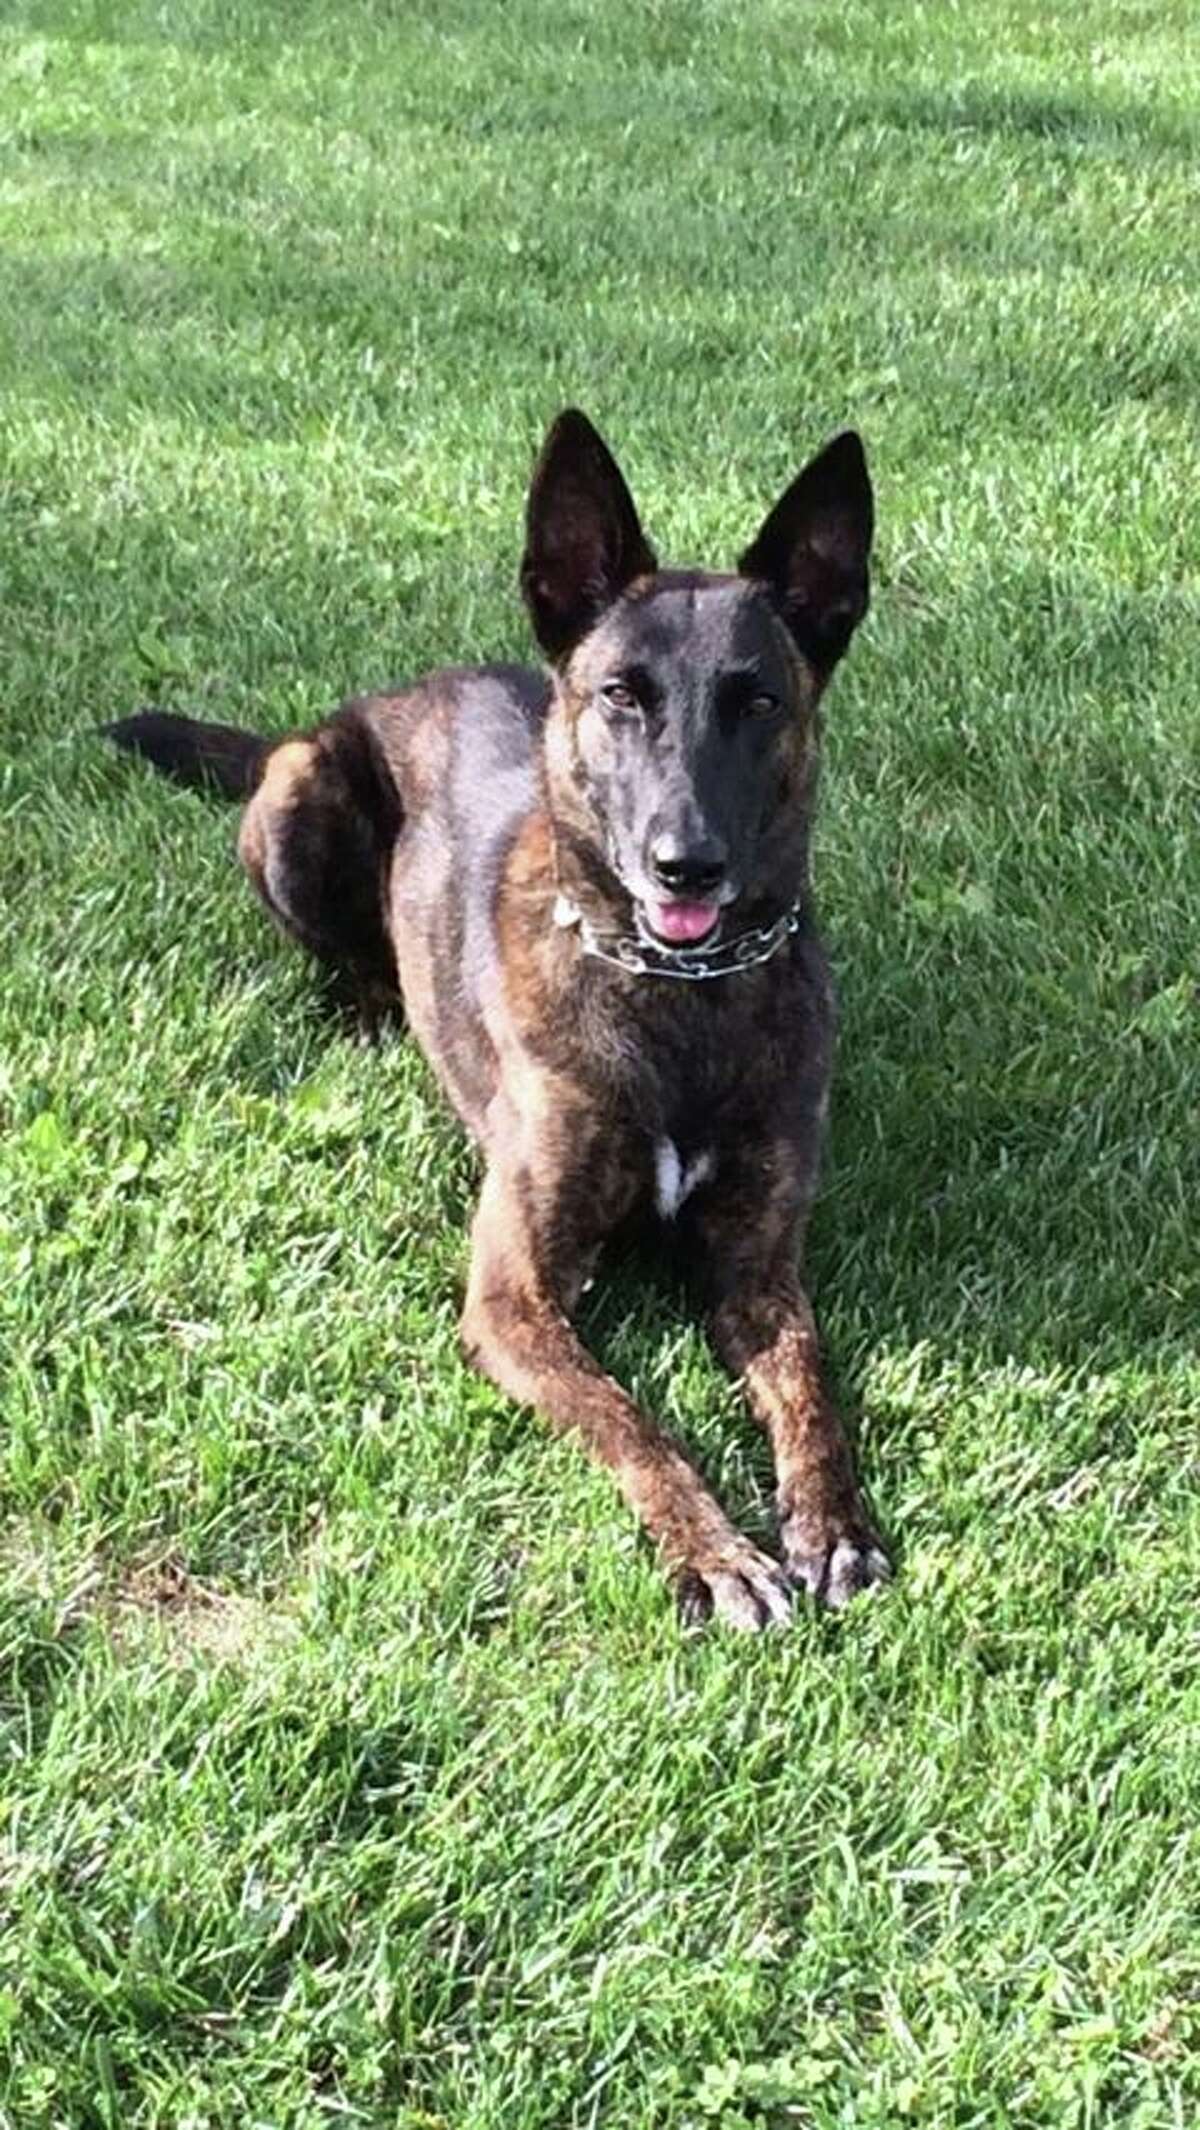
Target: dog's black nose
column 688, row 868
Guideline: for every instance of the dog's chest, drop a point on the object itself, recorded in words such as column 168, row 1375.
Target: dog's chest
column 675, row 1178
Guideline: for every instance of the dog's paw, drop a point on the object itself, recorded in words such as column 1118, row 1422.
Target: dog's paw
column 740, row 1586
column 833, row 1564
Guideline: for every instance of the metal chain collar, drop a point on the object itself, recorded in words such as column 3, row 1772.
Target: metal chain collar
column 689, row 965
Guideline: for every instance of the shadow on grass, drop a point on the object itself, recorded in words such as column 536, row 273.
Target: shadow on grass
column 1008, row 111
column 137, row 338
column 1012, row 109
column 981, row 1195
column 1011, row 1163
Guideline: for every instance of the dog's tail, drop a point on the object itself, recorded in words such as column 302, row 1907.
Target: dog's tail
column 205, row 757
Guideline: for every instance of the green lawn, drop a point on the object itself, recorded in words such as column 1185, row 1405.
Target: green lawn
column 356, row 1768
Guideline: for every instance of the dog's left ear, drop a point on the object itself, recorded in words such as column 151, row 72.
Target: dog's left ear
column 813, row 549
column 583, row 542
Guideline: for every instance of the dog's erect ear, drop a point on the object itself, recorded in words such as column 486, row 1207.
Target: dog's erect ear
column 583, row 543
column 813, row 549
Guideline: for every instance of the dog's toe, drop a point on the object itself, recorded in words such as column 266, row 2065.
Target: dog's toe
column 746, row 1590
column 835, row 1570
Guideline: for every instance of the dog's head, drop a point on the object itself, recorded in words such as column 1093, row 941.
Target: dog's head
column 681, row 745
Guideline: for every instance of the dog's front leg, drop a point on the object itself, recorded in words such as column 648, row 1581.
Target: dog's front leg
column 768, row 1338
column 515, row 1328
column 762, row 1326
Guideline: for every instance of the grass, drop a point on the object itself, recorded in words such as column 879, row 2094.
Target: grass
column 356, row 1769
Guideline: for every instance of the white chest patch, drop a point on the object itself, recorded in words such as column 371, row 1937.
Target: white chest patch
column 672, row 1181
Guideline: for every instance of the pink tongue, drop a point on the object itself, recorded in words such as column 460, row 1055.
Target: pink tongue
column 683, row 921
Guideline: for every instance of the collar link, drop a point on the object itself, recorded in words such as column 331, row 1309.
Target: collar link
column 690, row 965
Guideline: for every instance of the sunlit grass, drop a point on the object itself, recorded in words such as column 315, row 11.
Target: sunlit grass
column 357, row 1768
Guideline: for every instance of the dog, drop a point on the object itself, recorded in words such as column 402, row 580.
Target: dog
column 589, row 888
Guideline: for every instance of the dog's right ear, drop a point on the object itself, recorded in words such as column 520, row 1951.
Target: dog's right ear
column 583, row 542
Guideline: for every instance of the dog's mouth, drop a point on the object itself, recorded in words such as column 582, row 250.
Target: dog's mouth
column 680, row 924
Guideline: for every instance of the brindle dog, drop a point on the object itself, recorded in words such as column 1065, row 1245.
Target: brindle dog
column 592, row 893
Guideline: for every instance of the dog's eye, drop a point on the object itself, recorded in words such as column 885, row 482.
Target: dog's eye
column 761, row 705
column 618, row 696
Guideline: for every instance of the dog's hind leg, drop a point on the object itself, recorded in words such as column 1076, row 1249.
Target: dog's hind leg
column 316, row 841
